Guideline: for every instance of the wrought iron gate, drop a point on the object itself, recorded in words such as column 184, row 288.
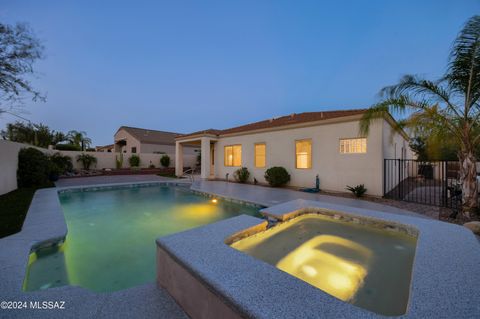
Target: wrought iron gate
column 430, row 183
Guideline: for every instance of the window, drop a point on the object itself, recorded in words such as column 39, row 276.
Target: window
column 260, row 155
column 134, row 149
column 353, row 145
column 303, row 154
column 233, row 155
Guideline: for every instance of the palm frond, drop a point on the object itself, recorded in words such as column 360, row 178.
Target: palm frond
column 417, row 87
column 464, row 62
column 396, row 105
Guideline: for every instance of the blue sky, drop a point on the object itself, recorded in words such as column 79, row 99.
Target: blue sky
column 189, row 65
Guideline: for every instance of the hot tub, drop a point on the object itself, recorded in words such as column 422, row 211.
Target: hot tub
column 365, row 263
column 424, row 264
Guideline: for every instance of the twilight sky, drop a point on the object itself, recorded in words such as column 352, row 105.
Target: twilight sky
column 184, row 66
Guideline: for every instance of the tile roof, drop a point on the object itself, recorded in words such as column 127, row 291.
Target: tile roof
column 280, row 121
column 104, row 147
column 150, row 136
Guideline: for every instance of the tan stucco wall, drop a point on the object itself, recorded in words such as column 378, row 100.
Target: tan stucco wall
column 9, row 161
column 395, row 146
column 152, row 148
column 167, row 149
column 146, row 147
column 334, row 169
column 108, row 160
column 131, row 142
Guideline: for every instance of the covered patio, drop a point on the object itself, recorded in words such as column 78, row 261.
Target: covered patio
column 207, row 141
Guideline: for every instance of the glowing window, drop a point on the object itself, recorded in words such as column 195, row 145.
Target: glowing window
column 303, row 154
column 233, row 155
column 353, row 145
column 260, row 155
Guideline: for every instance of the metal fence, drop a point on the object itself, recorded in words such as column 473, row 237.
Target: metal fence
column 431, row 183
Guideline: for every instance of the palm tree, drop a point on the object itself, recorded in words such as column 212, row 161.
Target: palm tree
column 79, row 138
column 447, row 108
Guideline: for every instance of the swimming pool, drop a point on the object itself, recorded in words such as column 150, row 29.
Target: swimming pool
column 110, row 243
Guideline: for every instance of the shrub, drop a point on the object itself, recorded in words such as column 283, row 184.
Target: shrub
column 134, row 161
column 165, row 160
column 241, row 175
column 67, row 147
column 119, row 161
column 33, row 168
column 277, row 176
column 53, row 171
column 62, row 163
column 87, row 160
column 358, row 190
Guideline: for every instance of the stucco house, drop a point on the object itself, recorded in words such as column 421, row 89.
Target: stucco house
column 105, row 148
column 306, row 144
column 139, row 140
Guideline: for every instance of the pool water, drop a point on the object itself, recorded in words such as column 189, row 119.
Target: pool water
column 110, row 243
column 367, row 266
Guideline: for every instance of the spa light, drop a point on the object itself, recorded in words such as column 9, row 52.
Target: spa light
column 214, row 200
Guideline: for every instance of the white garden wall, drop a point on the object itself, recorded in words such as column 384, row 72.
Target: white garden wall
column 9, row 161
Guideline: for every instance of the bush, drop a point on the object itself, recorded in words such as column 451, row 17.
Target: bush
column 53, row 171
column 358, row 190
column 33, row 168
column 241, row 175
column 119, row 161
column 87, row 160
column 62, row 163
column 277, row 176
column 67, row 147
column 165, row 160
column 134, row 161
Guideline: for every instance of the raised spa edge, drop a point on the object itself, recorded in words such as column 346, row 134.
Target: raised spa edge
column 237, row 284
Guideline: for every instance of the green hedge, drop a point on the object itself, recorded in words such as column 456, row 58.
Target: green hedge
column 277, row 176
column 134, row 161
column 67, row 147
column 165, row 160
column 33, row 168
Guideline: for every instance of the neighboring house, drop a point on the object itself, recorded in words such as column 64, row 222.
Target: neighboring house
column 138, row 140
column 306, row 144
column 106, row 148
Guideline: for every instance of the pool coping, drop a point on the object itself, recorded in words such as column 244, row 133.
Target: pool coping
column 257, row 289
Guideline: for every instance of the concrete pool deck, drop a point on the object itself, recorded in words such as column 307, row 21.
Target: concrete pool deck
column 45, row 223
column 268, row 196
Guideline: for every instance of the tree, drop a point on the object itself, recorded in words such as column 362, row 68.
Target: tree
column 87, row 160
column 80, row 139
column 445, row 109
column 429, row 148
column 34, row 134
column 19, row 49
